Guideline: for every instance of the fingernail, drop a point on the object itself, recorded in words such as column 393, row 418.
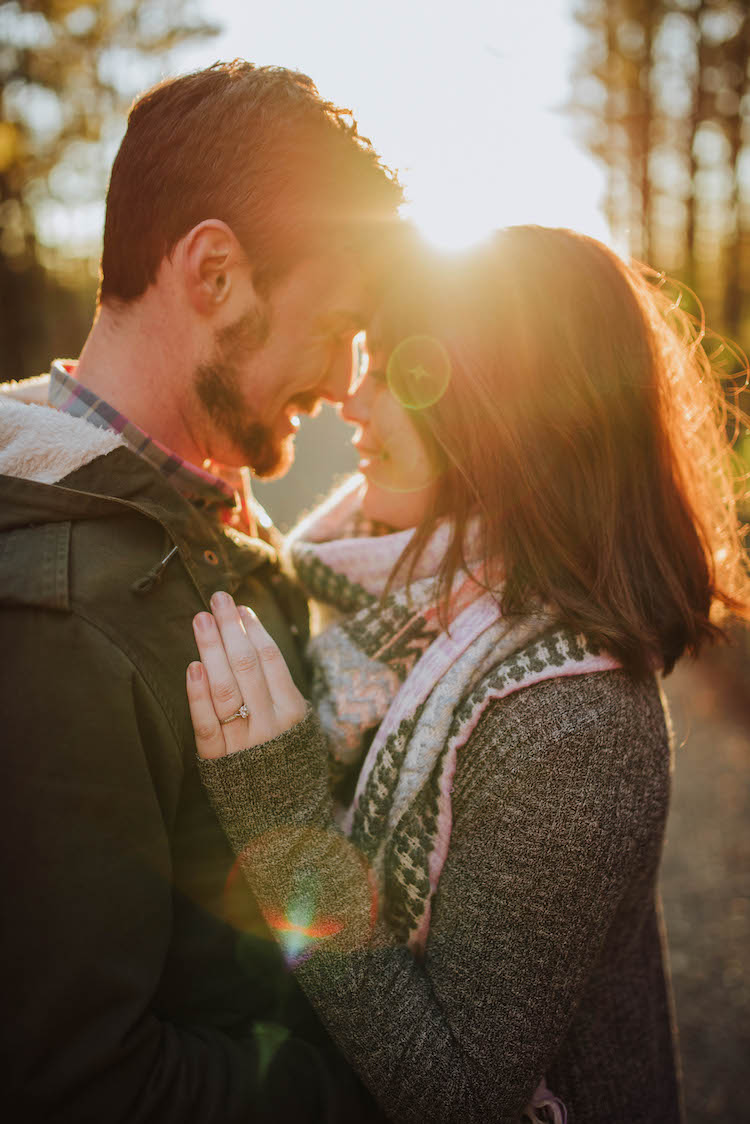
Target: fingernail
column 203, row 621
column 248, row 612
column 221, row 600
column 195, row 671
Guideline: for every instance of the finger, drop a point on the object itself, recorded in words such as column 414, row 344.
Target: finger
column 225, row 691
column 222, row 685
column 288, row 703
column 245, row 663
column 209, row 735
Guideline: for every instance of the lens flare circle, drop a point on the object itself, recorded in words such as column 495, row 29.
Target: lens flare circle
column 303, row 905
column 418, row 372
column 381, row 475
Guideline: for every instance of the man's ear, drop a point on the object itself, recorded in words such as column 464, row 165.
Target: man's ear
column 213, row 266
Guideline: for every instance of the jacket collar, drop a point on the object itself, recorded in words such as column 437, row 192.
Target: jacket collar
column 40, row 443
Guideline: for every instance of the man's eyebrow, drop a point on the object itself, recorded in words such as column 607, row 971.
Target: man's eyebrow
column 356, row 319
column 342, row 320
column 372, row 342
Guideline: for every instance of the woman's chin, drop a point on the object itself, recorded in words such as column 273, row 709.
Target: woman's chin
column 378, row 504
column 370, row 500
column 396, row 509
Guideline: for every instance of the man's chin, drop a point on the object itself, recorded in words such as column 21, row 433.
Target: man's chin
column 274, row 460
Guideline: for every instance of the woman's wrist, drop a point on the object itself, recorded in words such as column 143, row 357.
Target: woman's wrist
column 282, row 781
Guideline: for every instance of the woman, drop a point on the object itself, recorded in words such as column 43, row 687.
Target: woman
column 544, row 520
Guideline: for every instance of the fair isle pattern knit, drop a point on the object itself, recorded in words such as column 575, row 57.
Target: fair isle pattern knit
column 386, row 668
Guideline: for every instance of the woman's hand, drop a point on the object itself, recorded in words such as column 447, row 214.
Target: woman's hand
column 241, row 667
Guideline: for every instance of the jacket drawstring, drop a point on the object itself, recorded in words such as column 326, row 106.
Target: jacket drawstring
column 544, row 1107
column 154, row 576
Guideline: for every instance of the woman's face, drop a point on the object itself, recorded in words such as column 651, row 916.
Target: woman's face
column 400, row 471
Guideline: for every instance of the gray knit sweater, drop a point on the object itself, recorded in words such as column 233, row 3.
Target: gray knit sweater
column 546, row 949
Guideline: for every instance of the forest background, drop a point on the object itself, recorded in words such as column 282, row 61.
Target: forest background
column 658, row 96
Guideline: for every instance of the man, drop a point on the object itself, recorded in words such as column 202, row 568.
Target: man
column 243, row 216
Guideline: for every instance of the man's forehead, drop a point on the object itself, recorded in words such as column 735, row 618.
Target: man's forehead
column 347, row 295
column 331, row 292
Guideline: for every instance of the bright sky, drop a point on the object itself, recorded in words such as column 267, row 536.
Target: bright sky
column 463, row 98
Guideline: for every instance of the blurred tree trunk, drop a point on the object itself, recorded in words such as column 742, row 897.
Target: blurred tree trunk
column 68, row 72
column 636, row 36
column 597, row 101
column 734, row 86
column 644, row 121
column 697, row 116
column 611, row 149
column 641, row 57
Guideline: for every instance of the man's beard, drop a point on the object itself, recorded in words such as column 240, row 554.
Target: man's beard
column 217, row 384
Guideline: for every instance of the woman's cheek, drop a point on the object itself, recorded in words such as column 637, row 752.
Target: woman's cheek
column 412, row 467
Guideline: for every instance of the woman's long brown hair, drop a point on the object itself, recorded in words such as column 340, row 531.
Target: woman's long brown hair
column 584, row 423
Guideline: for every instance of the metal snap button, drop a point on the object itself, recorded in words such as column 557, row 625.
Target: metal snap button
column 211, row 557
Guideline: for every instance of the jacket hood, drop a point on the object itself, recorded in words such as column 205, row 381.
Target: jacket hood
column 40, row 443
column 55, row 467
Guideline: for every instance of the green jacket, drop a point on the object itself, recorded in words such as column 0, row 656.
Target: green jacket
column 140, row 983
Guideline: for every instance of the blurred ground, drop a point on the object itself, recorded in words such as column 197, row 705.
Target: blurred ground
column 706, row 888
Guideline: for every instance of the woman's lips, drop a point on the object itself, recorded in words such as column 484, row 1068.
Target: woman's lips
column 363, row 449
column 367, row 457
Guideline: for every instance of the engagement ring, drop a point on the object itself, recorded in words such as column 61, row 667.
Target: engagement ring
column 243, row 712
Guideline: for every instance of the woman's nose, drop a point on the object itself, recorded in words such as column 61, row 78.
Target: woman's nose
column 338, row 377
column 356, row 406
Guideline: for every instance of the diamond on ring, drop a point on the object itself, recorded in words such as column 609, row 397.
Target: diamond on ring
column 243, row 712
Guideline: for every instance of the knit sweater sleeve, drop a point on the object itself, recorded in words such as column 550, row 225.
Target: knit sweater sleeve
column 558, row 794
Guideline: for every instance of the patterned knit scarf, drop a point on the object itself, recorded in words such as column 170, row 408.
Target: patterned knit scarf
column 399, row 696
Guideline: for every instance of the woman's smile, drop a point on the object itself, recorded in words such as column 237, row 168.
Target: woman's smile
column 368, row 454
